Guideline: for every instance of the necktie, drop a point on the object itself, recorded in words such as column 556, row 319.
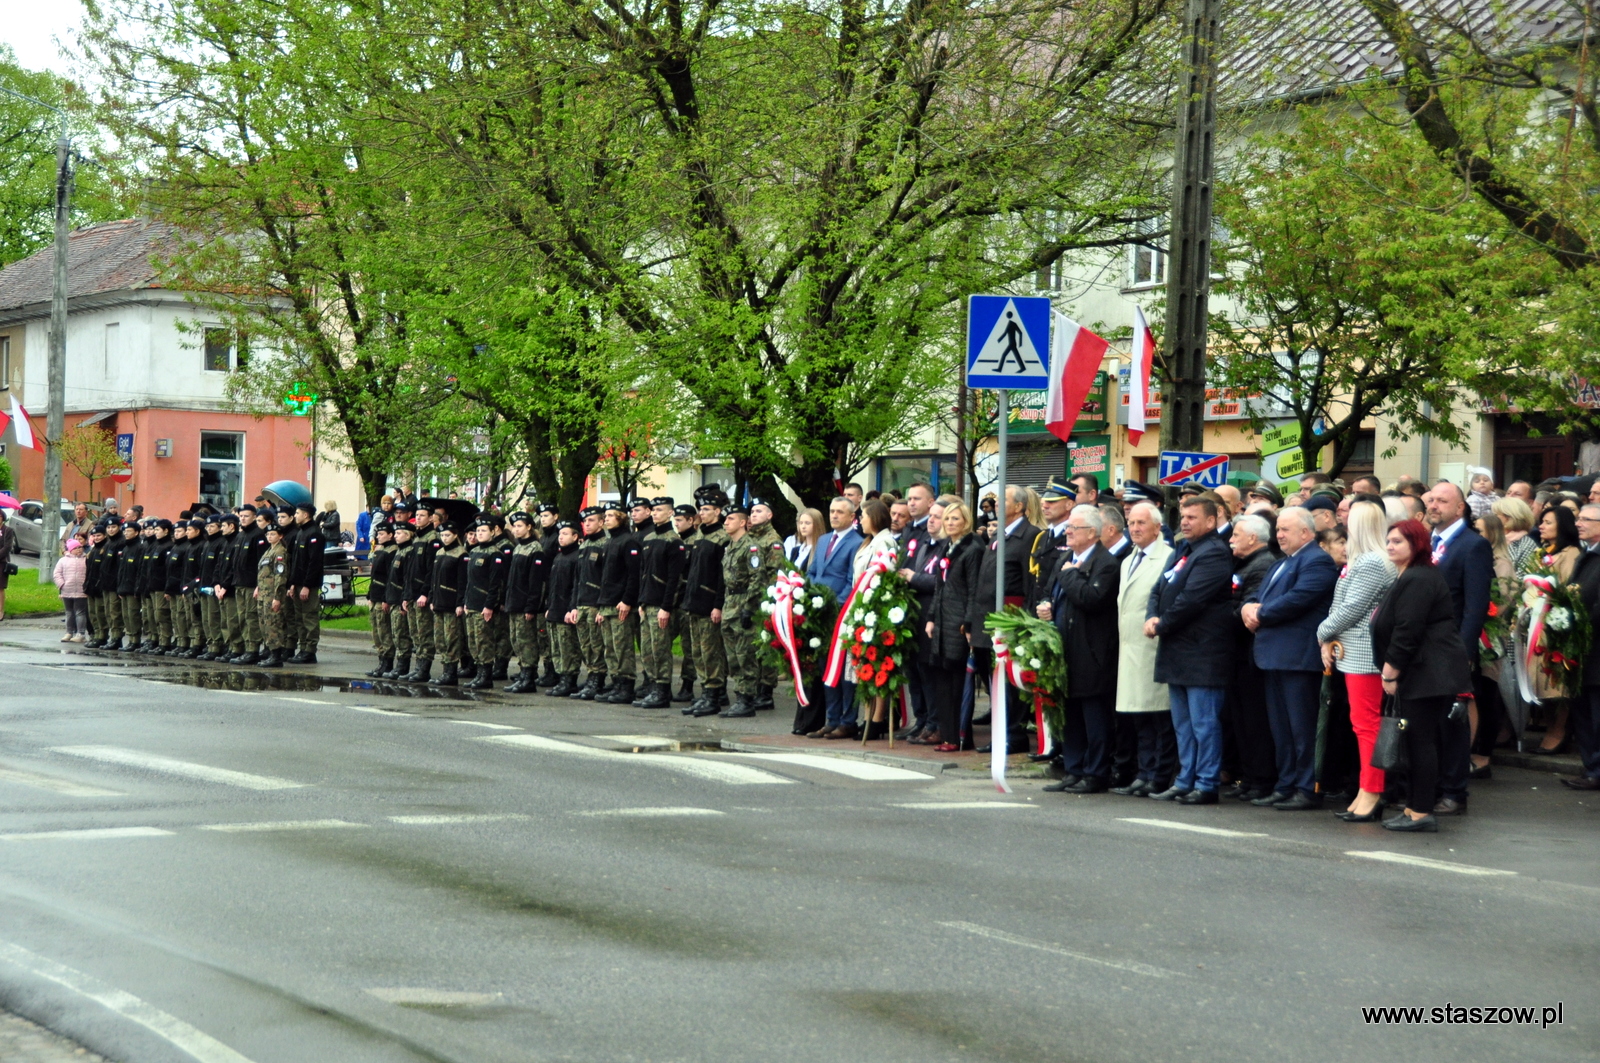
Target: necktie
column 1437, row 539
column 831, row 545
column 1138, row 556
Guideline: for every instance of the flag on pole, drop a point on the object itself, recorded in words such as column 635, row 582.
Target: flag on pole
column 1075, row 357
column 1144, row 353
column 23, row 427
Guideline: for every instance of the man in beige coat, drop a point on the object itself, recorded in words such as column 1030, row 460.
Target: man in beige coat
column 1138, row 694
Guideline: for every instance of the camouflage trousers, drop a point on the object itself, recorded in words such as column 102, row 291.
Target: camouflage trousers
column 590, row 642
column 452, row 635
column 483, row 636
column 273, row 632
column 564, row 645
column 655, row 646
column 709, row 659
column 619, row 637
column 400, row 631
column 524, row 641
column 382, row 633
column 542, row 641
column 739, row 647
column 232, row 625
column 679, row 629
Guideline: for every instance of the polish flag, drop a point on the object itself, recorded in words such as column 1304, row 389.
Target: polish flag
column 1144, row 353
column 1075, row 357
column 24, row 427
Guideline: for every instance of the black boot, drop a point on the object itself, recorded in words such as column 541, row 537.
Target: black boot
column 273, row 659
column 402, row 665
column 502, row 667
column 590, row 688
column 421, row 672
column 523, row 684
column 685, row 692
column 550, row 678
column 447, row 678
column 621, row 692
column 607, row 685
column 763, row 699
column 643, row 691
column 742, row 707
column 659, row 696
column 484, row 680
column 564, row 687
column 247, row 657
column 466, row 669
column 710, row 703
column 385, row 662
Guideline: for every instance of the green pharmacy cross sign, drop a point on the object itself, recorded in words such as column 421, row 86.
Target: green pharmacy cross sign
column 300, row 399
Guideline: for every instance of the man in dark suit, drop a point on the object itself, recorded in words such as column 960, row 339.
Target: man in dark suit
column 1466, row 561
column 1083, row 605
column 1020, row 535
column 1049, row 550
column 1190, row 613
column 915, row 538
column 831, row 564
column 1585, row 711
column 1284, row 613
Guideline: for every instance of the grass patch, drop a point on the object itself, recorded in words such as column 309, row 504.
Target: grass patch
column 26, row 596
column 359, row 622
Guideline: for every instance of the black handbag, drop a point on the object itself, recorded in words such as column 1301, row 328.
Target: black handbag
column 1389, row 751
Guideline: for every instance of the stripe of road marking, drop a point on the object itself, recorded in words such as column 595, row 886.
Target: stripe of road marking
column 642, row 741
column 305, row 701
column 1194, row 828
column 475, row 723
column 651, row 813
column 856, row 769
column 380, row 712
column 1423, row 861
column 133, row 758
column 1012, row 939
column 463, row 817
column 88, row 834
column 732, row 774
column 60, row 786
column 963, row 804
column 202, row 1046
column 282, row 824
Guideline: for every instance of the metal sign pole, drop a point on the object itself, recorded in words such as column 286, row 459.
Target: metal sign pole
column 1001, row 417
column 999, row 726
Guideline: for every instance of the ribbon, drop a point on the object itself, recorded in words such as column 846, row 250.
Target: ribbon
column 997, row 724
column 1013, row 673
column 790, row 585
column 1535, row 645
column 883, row 561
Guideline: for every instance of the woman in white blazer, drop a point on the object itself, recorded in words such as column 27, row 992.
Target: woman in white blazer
column 1138, row 694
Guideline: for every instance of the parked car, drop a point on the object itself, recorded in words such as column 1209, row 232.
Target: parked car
column 28, row 524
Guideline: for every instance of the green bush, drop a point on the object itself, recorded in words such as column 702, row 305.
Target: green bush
column 7, row 480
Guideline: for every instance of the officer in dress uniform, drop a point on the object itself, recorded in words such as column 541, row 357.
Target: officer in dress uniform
column 661, row 560
column 591, row 567
column 561, row 609
column 381, row 556
column 447, row 600
column 618, row 614
column 702, row 600
column 524, row 600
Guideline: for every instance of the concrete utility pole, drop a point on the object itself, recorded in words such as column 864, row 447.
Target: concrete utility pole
column 55, row 421
column 1189, row 246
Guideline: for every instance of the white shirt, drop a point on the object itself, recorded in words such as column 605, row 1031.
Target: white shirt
column 1114, row 547
column 1013, row 526
column 1450, row 533
column 1083, row 556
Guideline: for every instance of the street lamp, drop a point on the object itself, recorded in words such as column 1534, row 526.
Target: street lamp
column 57, row 371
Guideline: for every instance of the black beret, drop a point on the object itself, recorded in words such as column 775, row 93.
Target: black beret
column 754, row 502
column 450, row 526
column 636, row 503
column 738, row 508
column 590, row 511
column 164, row 524
column 685, row 511
column 616, row 505
column 520, row 516
column 1316, row 502
column 383, row 526
column 248, row 506
column 403, row 526
column 713, row 497
column 228, row 518
column 662, row 500
column 565, row 524
column 545, row 507
column 307, row 507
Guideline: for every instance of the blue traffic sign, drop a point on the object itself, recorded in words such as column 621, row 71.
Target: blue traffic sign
column 1185, row 466
column 1008, row 342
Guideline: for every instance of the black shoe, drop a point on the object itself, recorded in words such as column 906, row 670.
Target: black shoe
column 1371, row 817
column 303, row 657
column 1137, row 788
column 385, row 662
column 590, row 688
column 1062, row 785
column 1199, row 797
column 685, row 694
column 273, row 659
column 549, row 678
column 740, row 709
column 1451, row 806
column 421, row 672
column 710, row 704
column 659, row 696
column 1235, row 791
column 607, row 685
column 1404, row 823
column 981, row 721
column 1581, row 782
column 523, row 683
column 1484, row 771
column 1300, row 802
column 447, row 678
column 1041, row 758
column 1275, row 797
column 401, row 667
column 762, row 702
column 1171, row 793
column 564, row 687
column 243, row 658
column 1251, row 793
column 1089, row 784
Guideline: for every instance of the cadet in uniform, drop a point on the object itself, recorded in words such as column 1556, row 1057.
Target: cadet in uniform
column 544, row 534
column 524, row 598
column 446, row 597
column 749, row 565
column 499, row 625
column 228, row 602
column 271, row 596
column 591, row 566
column 177, row 603
column 153, row 586
column 94, row 567
column 420, row 582
column 248, row 548
column 701, row 600
column 661, row 560
column 396, row 598
column 486, row 578
column 561, row 610
column 306, row 563
column 191, row 587
column 382, row 557
column 619, row 604
column 211, row 548
column 762, row 531
column 683, row 633
column 128, row 587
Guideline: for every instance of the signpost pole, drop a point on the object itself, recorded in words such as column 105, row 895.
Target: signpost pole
column 1002, row 415
column 56, row 366
column 999, row 726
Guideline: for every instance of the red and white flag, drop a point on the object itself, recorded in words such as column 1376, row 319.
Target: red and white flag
column 1144, row 353
column 26, row 437
column 1075, row 357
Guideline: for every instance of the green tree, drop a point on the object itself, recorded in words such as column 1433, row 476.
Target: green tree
column 1368, row 283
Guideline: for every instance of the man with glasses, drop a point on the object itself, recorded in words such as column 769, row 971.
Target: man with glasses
column 1585, row 711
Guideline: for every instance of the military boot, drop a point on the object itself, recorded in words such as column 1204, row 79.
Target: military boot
column 644, row 693
column 621, row 692
column 502, row 667
column 402, row 665
column 712, row 704
column 467, row 669
column 607, row 684
column 273, row 659
column 550, row 678
column 763, row 699
column 523, row 684
column 484, row 680
column 448, row 678
column 685, row 691
column 742, row 707
column 659, row 696
column 590, row 688
column 564, row 687
column 247, row 657
column 421, row 672
column 385, row 662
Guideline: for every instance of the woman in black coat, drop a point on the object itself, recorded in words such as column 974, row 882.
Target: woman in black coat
column 1423, row 664
column 959, row 558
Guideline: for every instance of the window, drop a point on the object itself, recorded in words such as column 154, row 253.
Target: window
column 720, row 476
column 1364, row 455
column 1048, row 278
column 111, row 350
column 1147, row 267
column 899, row 473
column 225, row 350
column 5, row 361
column 221, row 468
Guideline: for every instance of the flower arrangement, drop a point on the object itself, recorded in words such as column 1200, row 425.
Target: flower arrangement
column 799, row 622
column 877, row 628
column 1554, row 624
column 1496, row 633
column 1030, row 651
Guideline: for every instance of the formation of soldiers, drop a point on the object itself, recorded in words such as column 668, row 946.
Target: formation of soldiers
column 596, row 603
column 242, row 587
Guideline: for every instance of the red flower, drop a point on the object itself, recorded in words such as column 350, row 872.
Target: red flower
column 1494, row 610
column 888, row 663
column 865, row 675
column 882, row 678
column 1030, row 678
column 855, row 651
column 888, row 638
column 861, row 634
column 872, row 653
column 1556, row 658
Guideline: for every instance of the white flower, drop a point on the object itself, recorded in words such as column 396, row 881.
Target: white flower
column 798, row 611
column 866, row 595
column 896, row 615
column 816, row 601
column 816, row 643
column 873, row 583
column 772, row 592
column 1559, row 619
column 869, row 621
column 1035, row 663
column 768, row 607
column 1530, row 597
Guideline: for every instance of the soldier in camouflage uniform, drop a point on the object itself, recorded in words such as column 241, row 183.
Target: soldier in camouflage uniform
column 446, row 598
column 271, row 597
column 701, row 600
column 382, row 558
column 591, row 566
column 661, row 560
column 762, row 531
column 680, row 628
column 749, row 564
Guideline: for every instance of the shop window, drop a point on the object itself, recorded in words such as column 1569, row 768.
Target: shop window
column 225, row 350
column 221, row 469
column 897, row 474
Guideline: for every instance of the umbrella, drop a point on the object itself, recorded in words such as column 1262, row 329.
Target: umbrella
column 460, row 510
column 287, row 493
column 7, row 502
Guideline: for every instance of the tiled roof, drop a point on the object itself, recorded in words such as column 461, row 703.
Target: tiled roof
column 112, row 256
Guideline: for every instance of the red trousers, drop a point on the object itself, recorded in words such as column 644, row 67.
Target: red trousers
column 1366, row 707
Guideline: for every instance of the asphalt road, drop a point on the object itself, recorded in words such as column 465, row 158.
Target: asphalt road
column 328, row 875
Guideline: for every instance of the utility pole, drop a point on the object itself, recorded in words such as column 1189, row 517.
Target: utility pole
column 1189, row 246
column 55, row 421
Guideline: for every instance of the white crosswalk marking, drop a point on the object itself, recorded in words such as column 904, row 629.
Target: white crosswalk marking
column 855, row 769
column 88, row 834
column 1194, row 828
column 133, row 758
column 731, row 774
column 652, row 813
column 283, row 824
column 60, row 786
column 1423, row 861
column 463, row 817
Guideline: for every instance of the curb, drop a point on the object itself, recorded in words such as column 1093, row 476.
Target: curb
column 1557, row 765
column 888, row 760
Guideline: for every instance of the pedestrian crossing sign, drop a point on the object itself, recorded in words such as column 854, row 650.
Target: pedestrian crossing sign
column 1008, row 342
